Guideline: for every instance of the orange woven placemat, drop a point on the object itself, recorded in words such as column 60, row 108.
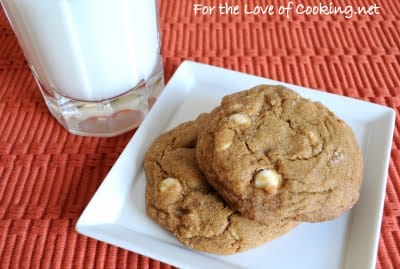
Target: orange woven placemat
column 47, row 176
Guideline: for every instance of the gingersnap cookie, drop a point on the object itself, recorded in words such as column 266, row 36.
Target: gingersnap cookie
column 179, row 198
column 272, row 154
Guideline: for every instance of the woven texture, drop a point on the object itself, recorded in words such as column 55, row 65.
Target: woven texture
column 47, row 176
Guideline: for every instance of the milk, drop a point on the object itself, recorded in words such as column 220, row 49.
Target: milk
column 87, row 49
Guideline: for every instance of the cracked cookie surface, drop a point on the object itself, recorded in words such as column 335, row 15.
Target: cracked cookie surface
column 272, row 154
column 179, row 198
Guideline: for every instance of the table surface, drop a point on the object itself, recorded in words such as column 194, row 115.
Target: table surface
column 47, row 176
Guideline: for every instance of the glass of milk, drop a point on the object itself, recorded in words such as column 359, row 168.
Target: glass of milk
column 97, row 62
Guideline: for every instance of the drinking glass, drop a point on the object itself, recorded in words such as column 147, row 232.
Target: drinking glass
column 97, row 62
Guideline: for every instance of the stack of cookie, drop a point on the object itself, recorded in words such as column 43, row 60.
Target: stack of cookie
column 251, row 170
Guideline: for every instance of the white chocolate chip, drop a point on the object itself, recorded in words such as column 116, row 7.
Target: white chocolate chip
column 225, row 146
column 315, row 141
column 234, row 234
column 336, row 157
column 224, row 139
column 240, row 119
column 269, row 180
column 170, row 183
column 313, row 137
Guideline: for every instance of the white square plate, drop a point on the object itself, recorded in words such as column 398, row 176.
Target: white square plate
column 116, row 213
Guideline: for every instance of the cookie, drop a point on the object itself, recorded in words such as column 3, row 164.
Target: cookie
column 179, row 199
column 272, row 154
